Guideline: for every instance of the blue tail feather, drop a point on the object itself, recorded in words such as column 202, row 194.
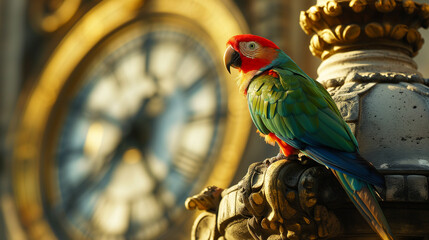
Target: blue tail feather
column 363, row 197
column 350, row 163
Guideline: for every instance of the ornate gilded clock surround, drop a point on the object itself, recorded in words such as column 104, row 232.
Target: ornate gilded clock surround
column 100, row 21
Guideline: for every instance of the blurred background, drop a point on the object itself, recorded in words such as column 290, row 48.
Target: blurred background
column 113, row 112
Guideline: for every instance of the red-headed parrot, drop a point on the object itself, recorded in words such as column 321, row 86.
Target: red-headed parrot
column 292, row 109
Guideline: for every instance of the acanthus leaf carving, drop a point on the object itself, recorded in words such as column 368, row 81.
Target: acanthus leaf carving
column 425, row 10
column 351, row 32
column 338, row 31
column 314, row 13
column 413, row 35
column 305, row 23
column 332, row 8
column 424, row 13
column 388, row 19
column 385, row 5
column 409, row 6
column 399, row 31
column 328, row 36
column 374, row 30
column 358, row 5
column 387, row 28
column 317, row 45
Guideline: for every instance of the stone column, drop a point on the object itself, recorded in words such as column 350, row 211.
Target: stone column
column 367, row 49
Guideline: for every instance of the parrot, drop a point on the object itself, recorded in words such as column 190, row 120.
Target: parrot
column 296, row 112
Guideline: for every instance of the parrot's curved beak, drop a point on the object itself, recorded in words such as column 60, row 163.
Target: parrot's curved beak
column 231, row 58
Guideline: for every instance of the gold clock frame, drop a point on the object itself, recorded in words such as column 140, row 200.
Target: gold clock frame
column 219, row 19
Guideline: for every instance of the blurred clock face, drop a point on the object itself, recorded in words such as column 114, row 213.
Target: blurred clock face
column 139, row 130
column 131, row 113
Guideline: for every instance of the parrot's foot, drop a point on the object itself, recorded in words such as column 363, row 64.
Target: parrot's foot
column 280, row 156
column 207, row 200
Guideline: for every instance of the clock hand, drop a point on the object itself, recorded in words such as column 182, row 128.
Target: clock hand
column 88, row 185
column 206, row 76
column 101, row 116
column 101, row 176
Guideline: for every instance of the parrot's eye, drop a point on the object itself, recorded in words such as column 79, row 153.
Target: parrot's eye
column 250, row 49
column 251, row 45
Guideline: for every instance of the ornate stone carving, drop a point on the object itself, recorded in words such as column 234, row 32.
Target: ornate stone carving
column 337, row 25
column 282, row 200
column 207, row 200
column 358, row 5
column 49, row 15
column 367, row 78
column 381, row 95
column 385, row 5
column 332, row 8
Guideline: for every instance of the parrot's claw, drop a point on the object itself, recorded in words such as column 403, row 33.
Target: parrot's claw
column 280, row 156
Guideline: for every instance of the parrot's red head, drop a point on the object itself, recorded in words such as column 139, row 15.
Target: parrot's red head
column 250, row 54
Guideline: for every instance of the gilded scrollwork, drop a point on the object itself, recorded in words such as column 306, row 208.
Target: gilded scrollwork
column 51, row 15
column 425, row 10
column 385, row 5
column 375, row 30
column 358, row 5
column 207, row 200
column 305, row 22
column 399, row 31
column 314, row 13
column 413, row 36
column 340, row 34
column 317, row 45
column 322, row 20
column 332, row 8
column 409, row 6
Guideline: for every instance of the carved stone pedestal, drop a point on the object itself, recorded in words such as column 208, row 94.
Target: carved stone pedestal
column 295, row 200
column 287, row 199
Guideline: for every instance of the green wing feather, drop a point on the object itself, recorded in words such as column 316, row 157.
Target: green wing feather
column 296, row 107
